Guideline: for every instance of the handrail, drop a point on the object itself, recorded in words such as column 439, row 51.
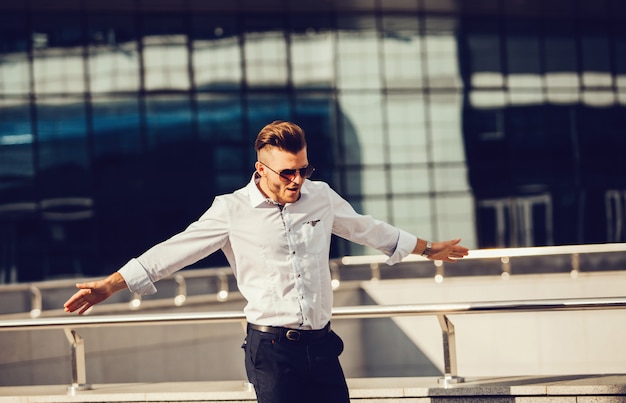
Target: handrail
column 501, row 253
column 441, row 311
column 71, row 282
column 361, row 260
column 221, row 274
column 348, row 312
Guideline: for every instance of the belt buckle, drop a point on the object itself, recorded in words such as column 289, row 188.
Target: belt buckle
column 292, row 335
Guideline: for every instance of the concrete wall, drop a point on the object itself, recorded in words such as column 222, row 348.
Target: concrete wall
column 508, row 344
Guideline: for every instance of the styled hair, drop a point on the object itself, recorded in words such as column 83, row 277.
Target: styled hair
column 283, row 135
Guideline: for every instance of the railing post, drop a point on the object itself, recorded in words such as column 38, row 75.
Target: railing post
column 222, row 294
column 181, row 290
column 79, row 375
column 135, row 302
column 375, row 272
column 575, row 259
column 35, row 302
column 505, row 265
column 440, row 271
column 449, row 352
column 335, row 278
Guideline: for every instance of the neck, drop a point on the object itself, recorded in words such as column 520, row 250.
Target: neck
column 260, row 185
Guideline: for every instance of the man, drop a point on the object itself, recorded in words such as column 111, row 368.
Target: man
column 276, row 234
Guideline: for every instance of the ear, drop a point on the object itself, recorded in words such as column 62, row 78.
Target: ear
column 259, row 168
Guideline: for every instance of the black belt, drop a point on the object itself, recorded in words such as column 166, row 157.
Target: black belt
column 292, row 334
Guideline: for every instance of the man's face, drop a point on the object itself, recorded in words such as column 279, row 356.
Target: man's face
column 272, row 184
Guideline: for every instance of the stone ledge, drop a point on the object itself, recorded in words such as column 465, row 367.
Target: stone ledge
column 529, row 389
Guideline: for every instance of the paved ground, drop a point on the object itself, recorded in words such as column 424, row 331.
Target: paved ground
column 596, row 388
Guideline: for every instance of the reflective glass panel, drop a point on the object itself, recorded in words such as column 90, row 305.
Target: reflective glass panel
column 483, row 42
column 560, row 56
column 409, row 180
column 358, row 59
column 112, row 52
column 225, row 150
column 220, row 118
column 413, row 214
column 231, row 166
column 14, row 68
column 406, row 121
column 450, row 178
column 362, row 128
column 367, row 181
column 376, row 207
column 63, row 148
column 455, row 217
column 402, row 52
column 266, row 51
column 116, row 126
column 442, row 53
column 596, row 56
column 315, row 113
column 263, row 109
column 446, row 128
column 523, row 56
column 16, row 142
column 58, row 63
column 165, row 52
column 168, row 120
column 312, row 51
column 619, row 50
column 216, row 54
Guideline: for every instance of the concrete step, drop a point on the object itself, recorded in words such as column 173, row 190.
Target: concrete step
column 567, row 389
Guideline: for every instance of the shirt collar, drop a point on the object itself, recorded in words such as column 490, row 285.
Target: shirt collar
column 256, row 196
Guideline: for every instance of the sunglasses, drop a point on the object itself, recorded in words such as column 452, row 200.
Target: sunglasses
column 288, row 175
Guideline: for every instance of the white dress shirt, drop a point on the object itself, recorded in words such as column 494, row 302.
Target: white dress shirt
column 278, row 254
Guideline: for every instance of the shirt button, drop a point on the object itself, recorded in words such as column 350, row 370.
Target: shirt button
column 293, row 253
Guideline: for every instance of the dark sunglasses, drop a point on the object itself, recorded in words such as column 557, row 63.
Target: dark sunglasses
column 288, row 175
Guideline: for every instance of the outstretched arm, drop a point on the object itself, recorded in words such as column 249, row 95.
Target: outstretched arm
column 94, row 292
column 448, row 251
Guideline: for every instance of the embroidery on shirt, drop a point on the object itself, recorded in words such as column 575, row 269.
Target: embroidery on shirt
column 313, row 222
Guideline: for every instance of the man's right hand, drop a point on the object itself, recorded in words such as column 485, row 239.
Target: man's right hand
column 94, row 292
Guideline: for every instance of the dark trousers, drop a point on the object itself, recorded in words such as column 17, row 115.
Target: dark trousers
column 285, row 371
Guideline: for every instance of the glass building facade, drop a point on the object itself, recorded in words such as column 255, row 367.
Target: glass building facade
column 501, row 122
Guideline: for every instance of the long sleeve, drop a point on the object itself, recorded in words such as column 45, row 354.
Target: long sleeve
column 366, row 230
column 199, row 240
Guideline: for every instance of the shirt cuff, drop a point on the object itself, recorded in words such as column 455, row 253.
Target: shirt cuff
column 137, row 278
column 406, row 244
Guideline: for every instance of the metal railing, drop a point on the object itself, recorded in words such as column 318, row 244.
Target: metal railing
column 220, row 276
column 441, row 311
column 504, row 255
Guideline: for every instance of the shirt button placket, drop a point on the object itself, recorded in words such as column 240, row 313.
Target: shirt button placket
column 290, row 239
column 295, row 262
